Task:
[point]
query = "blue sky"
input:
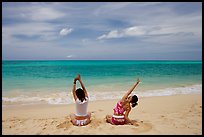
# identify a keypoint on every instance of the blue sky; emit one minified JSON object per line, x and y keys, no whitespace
{"x":102,"y":30}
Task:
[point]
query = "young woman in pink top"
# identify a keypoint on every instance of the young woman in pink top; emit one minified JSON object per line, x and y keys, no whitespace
{"x":122,"y":109}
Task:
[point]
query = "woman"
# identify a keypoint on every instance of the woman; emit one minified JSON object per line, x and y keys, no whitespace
{"x":81,"y":116}
{"x":122,"y":109}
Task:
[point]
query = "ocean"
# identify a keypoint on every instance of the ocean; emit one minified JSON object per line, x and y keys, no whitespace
{"x":50,"y":81}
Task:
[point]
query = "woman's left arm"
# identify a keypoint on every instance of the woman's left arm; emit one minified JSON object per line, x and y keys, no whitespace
{"x":131,"y":89}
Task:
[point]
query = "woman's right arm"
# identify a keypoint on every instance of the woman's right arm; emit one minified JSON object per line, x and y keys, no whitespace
{"x":74,"y":89}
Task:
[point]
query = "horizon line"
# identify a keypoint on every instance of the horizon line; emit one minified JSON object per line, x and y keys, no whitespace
{"x":100,"y":59}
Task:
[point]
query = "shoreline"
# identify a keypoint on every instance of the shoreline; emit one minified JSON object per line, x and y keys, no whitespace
{"x":175,"y":114}
{"x":94,"y":95}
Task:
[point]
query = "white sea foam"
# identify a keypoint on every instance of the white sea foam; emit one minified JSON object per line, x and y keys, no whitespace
{"x":64,"y":98}
{"x":172,"y":91}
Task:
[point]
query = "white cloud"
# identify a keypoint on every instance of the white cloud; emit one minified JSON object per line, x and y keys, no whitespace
{"x":66,"y":31}
{"x":107,"y":7}
{"x":131,"y":31}
{"x":111,"y":34}
{"x":45,"y":13}
{"x":114,"y":7}
{"x":44,"y":31}
{"x":33,"y":12}
{"x":135,"y":31}
{"x":69,"y":56}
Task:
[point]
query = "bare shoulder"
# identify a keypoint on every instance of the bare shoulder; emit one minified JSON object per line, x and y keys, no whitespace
{"x":127,"y":106}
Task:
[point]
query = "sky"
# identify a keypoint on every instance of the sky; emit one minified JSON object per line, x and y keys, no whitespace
{"x":102,"y":31}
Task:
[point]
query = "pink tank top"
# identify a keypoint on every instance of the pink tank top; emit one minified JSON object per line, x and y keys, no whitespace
{"x":119,"y":109}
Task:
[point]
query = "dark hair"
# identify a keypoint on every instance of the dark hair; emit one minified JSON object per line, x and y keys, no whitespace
{"x":134,"y":100}
{"x":80,"y":94}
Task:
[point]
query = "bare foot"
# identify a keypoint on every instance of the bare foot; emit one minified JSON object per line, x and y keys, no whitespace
{"x":134,"y":123}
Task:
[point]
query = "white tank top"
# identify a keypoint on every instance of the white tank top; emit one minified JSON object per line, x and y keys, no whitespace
{"x":81,"y":107}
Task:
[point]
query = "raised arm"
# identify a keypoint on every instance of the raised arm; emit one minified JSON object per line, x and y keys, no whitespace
{"x":82,"y":85}
{"x":130,"y":91}
{"x":74,"y":89}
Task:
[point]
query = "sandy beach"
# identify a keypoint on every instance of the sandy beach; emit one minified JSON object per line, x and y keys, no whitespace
{"x":174,"y":115}
{"x":108,"y":50}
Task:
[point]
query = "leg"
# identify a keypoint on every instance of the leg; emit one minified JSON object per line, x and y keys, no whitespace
{"x":73,"y":120}
{"x":88,"y":118}
{"x":109,"y":119}
{"x":89,"y":115}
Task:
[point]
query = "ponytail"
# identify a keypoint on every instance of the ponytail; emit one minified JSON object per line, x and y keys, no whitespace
{"x":134,"y":104}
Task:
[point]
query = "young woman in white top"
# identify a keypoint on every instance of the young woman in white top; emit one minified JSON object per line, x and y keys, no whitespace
{"x":81,"y":116}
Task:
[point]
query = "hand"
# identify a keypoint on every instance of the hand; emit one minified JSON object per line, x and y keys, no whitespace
{"x":138,"y":80}
{"x":78,"y":77}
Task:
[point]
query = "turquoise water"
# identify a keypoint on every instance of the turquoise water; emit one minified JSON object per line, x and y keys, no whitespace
{"x":49,"y":77}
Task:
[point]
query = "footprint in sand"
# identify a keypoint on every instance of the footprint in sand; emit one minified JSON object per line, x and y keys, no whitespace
{"x":52,"y":122}
{"x":100,"y":110}
{"x":95,"y":123}
{"x":65,"y":124}
{"x":67,"y":117}
{"x":141,"y":126}
{"x":162,"y":116}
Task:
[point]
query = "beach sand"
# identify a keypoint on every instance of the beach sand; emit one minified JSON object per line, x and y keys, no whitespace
{"x":177,"y":114}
